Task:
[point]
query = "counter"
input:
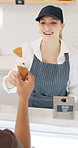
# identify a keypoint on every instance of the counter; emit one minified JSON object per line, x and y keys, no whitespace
{"x":41,"y":120}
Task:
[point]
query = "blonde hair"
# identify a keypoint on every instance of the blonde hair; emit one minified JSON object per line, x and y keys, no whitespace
{"x":60,"y":35}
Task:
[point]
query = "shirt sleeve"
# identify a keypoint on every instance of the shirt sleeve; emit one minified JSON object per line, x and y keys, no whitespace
{"x":73,"y":78}
{"x":5,"y":85}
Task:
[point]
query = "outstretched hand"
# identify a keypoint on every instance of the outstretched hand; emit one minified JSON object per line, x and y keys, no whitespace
{"x":25,"y":88}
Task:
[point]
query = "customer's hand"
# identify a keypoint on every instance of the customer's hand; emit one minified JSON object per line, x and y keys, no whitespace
{"x":25,"y":88}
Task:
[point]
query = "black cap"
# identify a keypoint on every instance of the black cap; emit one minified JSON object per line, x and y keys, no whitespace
{"x":52,"y":11}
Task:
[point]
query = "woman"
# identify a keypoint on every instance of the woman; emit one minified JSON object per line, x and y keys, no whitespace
{"x":52,"y":62}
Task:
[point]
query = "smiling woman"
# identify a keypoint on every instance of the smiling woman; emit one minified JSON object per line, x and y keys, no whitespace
{"x":51,"y":61}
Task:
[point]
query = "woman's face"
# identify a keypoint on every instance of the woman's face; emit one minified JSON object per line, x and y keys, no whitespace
{"x":50,"y":27}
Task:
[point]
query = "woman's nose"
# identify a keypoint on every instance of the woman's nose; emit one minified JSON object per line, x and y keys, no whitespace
{"x":48,"y":26}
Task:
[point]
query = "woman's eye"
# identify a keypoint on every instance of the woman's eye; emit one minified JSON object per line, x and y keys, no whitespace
{"x":53,"y":22}
{"x":42,"y":23}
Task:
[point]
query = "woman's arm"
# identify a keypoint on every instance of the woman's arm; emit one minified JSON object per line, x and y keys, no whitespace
{"x":8,"y":87}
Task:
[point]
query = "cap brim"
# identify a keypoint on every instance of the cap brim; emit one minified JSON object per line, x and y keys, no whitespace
{"x":38,"y":18}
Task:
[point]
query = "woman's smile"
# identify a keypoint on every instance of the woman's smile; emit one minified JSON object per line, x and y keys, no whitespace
{"x":47,"y":33}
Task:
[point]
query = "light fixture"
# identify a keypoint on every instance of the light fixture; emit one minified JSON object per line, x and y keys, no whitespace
{"x":19,"y":2}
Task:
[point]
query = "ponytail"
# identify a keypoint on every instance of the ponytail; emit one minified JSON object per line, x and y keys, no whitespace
{"x":60,"y":35}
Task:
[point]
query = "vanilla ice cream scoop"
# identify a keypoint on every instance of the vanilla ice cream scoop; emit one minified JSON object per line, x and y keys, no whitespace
{"x":23,"y":62}
{"x":23,"y":65}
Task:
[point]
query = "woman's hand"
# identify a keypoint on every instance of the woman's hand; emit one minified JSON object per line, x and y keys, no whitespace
{"x":25,"y":88}
{"x":13,"y":78}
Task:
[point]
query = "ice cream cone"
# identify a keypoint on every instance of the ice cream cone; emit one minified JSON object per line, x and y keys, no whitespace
{"x":18,"y":51}
{"x":23,"y":71}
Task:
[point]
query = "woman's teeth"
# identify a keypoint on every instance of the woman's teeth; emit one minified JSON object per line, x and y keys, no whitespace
{"x":48,"y":33}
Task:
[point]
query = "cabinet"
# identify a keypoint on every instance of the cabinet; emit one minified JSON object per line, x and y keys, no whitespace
{"x":51,"y":1}
{"x":7,"y":1}
{"x":44,"y":1}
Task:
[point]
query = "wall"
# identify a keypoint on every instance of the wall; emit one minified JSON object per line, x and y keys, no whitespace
{"x":5,"y":98}
{"x":19,"y":25}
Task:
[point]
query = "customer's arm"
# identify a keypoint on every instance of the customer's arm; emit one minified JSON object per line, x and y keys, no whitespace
{"x":24,"y":89}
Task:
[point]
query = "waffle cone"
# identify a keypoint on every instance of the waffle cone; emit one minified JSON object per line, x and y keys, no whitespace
{"x":18,"y":51}
{"x":23,"y":71}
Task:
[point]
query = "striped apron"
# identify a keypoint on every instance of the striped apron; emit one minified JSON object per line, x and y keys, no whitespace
{"x":50,"y":80}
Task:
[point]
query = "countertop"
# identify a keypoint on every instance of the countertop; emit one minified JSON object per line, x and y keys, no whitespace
{"x":41,"y":120}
